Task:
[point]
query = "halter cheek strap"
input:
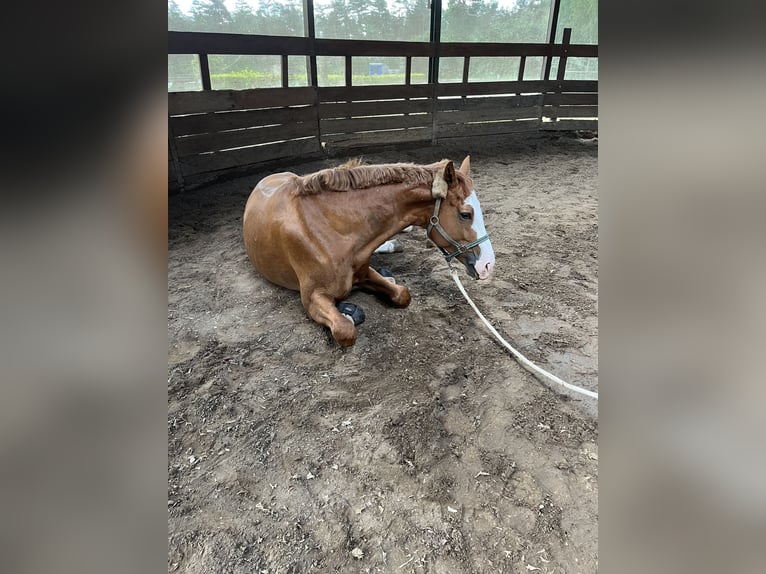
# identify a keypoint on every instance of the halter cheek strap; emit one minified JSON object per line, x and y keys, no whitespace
{"x":460,"y":248}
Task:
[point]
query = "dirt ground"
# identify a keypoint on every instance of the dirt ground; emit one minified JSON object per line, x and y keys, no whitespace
{"x":423,"y":448}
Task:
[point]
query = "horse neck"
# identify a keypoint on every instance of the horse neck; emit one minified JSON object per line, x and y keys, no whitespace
{"x":408,"y":206}
{"x":378,"y":213}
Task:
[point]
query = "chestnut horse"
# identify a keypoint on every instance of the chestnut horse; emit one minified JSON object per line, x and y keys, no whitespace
{"x":316,"y":233}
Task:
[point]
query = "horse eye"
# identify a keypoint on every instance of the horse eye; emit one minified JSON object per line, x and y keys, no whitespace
{"x":465,"y":215}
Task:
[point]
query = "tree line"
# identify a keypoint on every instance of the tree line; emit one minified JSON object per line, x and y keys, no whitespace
{"x":408,"y":20}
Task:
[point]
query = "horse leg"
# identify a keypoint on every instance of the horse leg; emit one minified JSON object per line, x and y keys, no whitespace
{"x":390,"y":246}
{"x":321,"y":308}
{"x":379,"y":285}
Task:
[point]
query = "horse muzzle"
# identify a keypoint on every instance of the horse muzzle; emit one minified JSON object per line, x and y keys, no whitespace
{"x":469,"y":260}
{"x":478,"y":268}
{"x":486,"y":262}
{"x":483,"y":269}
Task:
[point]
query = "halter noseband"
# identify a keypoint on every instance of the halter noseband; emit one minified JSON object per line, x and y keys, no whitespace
{"x":433,"y":223}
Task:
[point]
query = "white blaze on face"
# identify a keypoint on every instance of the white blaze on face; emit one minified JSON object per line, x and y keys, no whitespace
{"x":486,"y":261}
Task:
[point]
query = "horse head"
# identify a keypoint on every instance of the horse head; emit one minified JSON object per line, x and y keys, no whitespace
{"x":457,"y":224}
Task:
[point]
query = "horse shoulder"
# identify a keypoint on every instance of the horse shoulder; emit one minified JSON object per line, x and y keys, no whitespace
{"x":275,"y":184}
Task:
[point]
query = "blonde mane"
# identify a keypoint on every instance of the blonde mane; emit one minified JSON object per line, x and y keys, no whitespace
{"x":352,"y":175}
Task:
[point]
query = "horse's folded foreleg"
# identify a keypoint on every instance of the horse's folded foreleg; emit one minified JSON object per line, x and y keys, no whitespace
{"x":390,"y":246}
{"x":379,"y":285}
{"x":321,"y":308}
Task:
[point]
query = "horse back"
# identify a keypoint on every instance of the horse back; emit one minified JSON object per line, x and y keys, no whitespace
{"x":269,"y":210}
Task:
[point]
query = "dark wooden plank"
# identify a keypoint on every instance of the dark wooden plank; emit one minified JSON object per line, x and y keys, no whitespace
{"x":522,"y":63}
{"x":529,"y":86}
{"x":487,"y":88}
{"x":203,"y":143}
{"x":354,"y":109}
{"x":582,"y":50}
{"x":224,"y":160}
{"x":561,"y":70}
{"x":466,"y":68}
{"x":553,"y":20}
{"x":457,"y":49}
{"x":285,"y":71}
{"x":570,"y":99}
{"x":309,"y":29}
{"x":348,"y":71}
{"x":562,"y":60}
{"x":408,"y":70}
{"x":491,"y":128}
{"x":435,"y":38}
{"x":222,"y":121}
{"x":309,"y":22}
{"x":175,"y":181}
{"x":221,"y":43}
{"x":453,"y":117}
{"x":173,"y":158}
{"x":204,"y":71}
{"x":181,"y":103}
{"x":489,"y":103}
{"x":574,"y":86}
{"x":377,"y":138}
{"x":356,"y":93}
{"x":570,"y":125}
{"x":473,"y":49}
{"x":353,"y":125}
{"x":571,"y":111}
{"x":240,"y":44}
{"x":332,"y":47}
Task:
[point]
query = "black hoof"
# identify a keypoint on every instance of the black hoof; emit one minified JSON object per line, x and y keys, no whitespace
{"x":354,"y":311}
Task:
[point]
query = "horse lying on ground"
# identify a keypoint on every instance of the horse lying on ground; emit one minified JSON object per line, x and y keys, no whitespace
{"x":316,"y":233}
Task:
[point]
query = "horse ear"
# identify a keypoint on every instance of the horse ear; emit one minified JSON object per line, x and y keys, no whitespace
{"x":441,"y":182}
{"x":465,"y":167}
{"x":439,"y":187}
{"x":444,"y":181}
{"x":449,"y":174}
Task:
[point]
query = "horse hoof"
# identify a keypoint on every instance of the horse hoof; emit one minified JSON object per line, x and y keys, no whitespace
{"x":387,"y":275}
{"x":353,"y":312}
{"x":391,"y":246}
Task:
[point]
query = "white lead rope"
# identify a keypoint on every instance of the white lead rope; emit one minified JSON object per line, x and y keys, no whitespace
{"x":519,"y":357}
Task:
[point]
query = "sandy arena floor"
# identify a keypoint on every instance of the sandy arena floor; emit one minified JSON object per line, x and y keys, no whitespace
{"x":423,"y":448}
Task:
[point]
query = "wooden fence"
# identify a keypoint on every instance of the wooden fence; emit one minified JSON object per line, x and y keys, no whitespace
{"x":213,"y":133}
